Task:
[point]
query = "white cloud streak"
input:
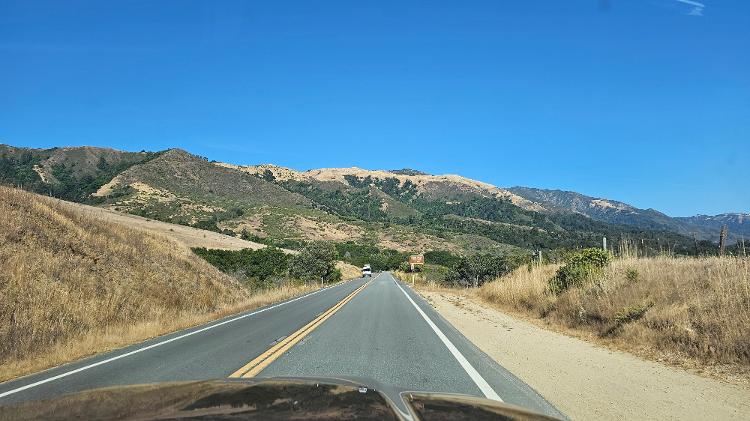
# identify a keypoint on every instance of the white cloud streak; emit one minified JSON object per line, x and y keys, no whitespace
{"x":696,"y":8}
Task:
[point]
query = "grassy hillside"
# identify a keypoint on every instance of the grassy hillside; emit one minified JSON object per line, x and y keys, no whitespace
{"x":183,"y":188}
{"x":68,"y":173}
{"x":72,"y":284}
{"x":679,"y":309}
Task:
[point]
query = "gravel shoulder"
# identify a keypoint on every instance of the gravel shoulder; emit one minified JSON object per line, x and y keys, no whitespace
{"x":586,"y":381}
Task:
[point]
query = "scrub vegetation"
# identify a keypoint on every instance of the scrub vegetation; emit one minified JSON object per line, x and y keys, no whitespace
{"x":681,"y":308}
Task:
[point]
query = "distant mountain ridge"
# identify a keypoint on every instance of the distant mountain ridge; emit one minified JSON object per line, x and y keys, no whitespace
{"x":702,"y":226}
{"x":442,"y":186}
{"x":406,"y":210}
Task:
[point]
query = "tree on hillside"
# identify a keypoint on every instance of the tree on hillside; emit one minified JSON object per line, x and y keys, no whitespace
{"x":315,"y":262}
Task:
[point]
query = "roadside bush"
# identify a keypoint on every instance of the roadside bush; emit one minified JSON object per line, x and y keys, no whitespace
{"x":477,"y":269}
{"x":259,"y":264}
{"x":315,"y":262}
{"x":582,"y":266}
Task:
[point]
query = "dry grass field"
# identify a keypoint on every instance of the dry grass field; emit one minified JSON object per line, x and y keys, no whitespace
{"x":189,"y":236}
{"x":676,"y":309}
{"x":73,"y":284}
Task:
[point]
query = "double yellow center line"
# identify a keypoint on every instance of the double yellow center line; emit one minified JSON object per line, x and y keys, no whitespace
{"x":257,"y":365}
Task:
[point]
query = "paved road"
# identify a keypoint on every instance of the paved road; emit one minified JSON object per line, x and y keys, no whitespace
{"x":384,"y":332}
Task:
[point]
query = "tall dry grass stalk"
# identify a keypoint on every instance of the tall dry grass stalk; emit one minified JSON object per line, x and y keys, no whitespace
{"x":72,"y":285}
{"x":522,"y":289}
{"x":696,"y":308}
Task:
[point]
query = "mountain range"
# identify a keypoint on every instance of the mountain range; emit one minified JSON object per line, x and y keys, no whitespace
{"x":405,"y":209}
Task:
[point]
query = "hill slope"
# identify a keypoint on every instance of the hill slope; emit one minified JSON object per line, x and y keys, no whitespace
{"x":68,"y":173}
{"x":183,"y":188}
{"x":65,"y":275}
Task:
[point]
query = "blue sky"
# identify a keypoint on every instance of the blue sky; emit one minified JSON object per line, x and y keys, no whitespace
{"x":643,"y":101}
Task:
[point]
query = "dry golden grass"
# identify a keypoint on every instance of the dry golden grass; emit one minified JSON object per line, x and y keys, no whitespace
{"x":188,"y":236}
{"x":424,"y":283}
{"x":73,"y":285}
{"x":348,"y":271}
{"x":691,"y":309}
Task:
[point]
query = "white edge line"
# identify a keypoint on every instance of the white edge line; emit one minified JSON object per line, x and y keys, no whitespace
{"x":127,"y":354}
{"x":481,"y":383}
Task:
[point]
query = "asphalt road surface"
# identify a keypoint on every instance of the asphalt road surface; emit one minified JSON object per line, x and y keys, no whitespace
{"x":374,"y":328}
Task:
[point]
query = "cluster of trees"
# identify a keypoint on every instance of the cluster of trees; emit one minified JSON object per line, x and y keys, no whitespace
{"x":315,"y":262}
{"x":362,"y":254}
{"x":285,"y":243}
{"x":354,"y":203}
{"x":477,"y":269}
{"x":442,"y":258}
{"x":392,"y":186}
{"x":79,"y":189}
{"x":472,"y":270}
{"x":269,"y":266}
{"x":19,"y":171}
{"x":212,"y":222}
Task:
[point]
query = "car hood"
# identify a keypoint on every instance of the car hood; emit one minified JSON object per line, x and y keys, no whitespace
{"x":266,"y":399}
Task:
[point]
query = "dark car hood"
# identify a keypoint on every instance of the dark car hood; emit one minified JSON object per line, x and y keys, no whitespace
{"x":266,"y":399}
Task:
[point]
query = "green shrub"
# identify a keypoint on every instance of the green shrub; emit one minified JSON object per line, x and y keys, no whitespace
{"x":631,"y":274}
{"x":631,"y":314}
{"x":582,"y":266}
{"x":207,"y":224}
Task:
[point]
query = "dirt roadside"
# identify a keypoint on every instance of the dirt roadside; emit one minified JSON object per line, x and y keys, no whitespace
{"x":585,"y":381}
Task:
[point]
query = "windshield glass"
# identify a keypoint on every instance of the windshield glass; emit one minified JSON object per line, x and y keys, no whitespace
{"x":461,"y":207}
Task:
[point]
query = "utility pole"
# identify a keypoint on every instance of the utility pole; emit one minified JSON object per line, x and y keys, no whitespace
{"x":722,"y":239}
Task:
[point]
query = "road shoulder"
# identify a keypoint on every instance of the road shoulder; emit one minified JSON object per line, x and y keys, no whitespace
{"x":586,"y":381}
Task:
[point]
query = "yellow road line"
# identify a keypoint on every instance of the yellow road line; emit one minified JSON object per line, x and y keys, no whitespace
{"x":257,"y":365}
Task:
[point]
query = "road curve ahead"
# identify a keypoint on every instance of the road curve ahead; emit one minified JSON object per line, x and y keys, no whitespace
{"x":375,"y":328}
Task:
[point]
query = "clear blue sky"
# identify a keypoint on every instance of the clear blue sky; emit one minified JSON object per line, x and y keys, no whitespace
{"x":644,"y":101}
